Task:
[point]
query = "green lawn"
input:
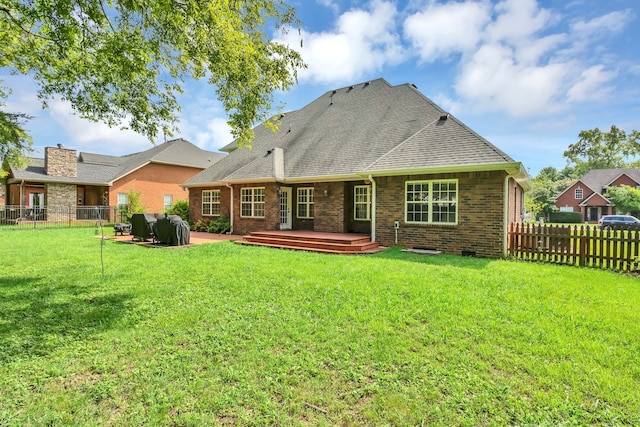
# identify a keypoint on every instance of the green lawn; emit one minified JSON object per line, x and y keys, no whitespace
{"x":222,"y":334}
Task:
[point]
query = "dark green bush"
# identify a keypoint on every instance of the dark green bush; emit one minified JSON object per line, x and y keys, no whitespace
{"x":565,"y":217}
{"x":220,"y":225}
{"x":181,"y":208}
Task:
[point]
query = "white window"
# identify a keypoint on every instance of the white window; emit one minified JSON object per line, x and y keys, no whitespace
{"x":168,"y":201}
{"x":566,"y":208}
{"x":123,"y":201}
{"x":362,"y":202}
{"x":211,"y":202}
{"x":305,"y":202}
{"x":431,"y":202}
{"x":579,"y":194}
{"x":252,"y":202}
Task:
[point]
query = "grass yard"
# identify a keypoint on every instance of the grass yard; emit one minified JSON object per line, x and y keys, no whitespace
{"x":222,"y":334}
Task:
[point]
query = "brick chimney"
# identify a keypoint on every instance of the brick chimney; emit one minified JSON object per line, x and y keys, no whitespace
{"x":59,"y":161}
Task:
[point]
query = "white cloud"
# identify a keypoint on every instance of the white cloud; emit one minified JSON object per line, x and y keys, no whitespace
{"x":613,"y":22}
{"x":591,"y":85}
{"x":85,"y":135}
{"x":511,"y":59}
{"x":330,"y":4}
{"x":363,"y":41}
{"x":215,"y":135}
{"x":517,"y":21}
{"x":441,"y":30}
{"x":492,"y":80}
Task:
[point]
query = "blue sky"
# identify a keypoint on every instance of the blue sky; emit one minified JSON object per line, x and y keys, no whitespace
{"x":528,"y":75}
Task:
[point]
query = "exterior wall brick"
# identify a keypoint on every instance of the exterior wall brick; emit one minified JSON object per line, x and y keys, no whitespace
{"x":568,"y":198}
{"x":481,"y":212}
{"x":329,"y":209}
{"x":195,"y":204}
{"x":241,"y":225}
{"x":480,"y":228}
{"x":60,"y":162}
{"x":516,"y":207}
{"x":153,"y":181}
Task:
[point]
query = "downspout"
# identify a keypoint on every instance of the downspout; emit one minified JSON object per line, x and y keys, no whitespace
{"x":22,"y":204}
{"x":231,"y":209}
{"x":505,"y":228}
{"x":373,"y":208}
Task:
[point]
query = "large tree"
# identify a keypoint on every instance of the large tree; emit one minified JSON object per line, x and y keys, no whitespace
{"x":604,"y":150}
{"x":626,"y":199}
{"x":123,"y":62}
{"x":14,"y":140}
{"x":546,"y":186}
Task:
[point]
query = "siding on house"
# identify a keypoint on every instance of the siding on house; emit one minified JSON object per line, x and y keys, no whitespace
{"x":153,"y":181}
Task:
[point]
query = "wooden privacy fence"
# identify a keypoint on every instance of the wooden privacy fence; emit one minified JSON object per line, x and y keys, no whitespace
{"x":581,"y":245}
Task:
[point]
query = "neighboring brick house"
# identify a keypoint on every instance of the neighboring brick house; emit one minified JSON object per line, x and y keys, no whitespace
{"x":64,"y":178}
{"x":588,"y":194}
{"x":363,"y":159}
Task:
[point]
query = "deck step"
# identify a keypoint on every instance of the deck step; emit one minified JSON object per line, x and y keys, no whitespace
{"x":336,"y":243}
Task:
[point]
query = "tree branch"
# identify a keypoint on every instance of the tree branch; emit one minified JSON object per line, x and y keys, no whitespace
{"x":26,"y":31}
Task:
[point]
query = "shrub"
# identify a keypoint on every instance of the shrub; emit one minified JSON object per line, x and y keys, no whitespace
{"x":220,"y":225}
{"x":181,"y":208}
{"x":133,"y":206}
{"x":200,"y":225}
{"x":565,"y":217}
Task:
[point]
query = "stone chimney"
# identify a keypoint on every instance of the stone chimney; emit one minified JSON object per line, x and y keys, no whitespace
{"x":59,"y":161}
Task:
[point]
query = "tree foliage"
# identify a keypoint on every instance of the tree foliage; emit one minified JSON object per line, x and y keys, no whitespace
{"x":604,"y":150}
{"x":124,"y":62}
{"x":626,"y":199}
{"x":133,"y":206}
{"x":14,"y":140}
{"x":546,"y":186}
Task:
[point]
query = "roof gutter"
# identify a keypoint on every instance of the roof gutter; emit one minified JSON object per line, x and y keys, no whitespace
{"x":22,"y":198}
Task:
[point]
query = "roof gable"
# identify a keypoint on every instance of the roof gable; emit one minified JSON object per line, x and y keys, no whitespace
{"x":597,"y":179}
{"x":595,"y":199}
{"x":101,"y":169}
{"x":365,"y":128}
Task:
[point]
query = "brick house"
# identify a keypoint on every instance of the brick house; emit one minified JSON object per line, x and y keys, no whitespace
{"x":65,"y":178}
{"x":369,"y":158}
{"x":588,"y":194}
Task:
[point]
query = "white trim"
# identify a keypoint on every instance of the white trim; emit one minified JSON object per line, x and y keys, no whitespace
{"x":374,"y":189}
{"x":367,"y":203}
{"x":309,"y":203}
{"x":253,"y":202}
{"x":430,"y":203}
{"x":211,"y":203}
{"x":231,"y":208}
{"x":515,"y":169}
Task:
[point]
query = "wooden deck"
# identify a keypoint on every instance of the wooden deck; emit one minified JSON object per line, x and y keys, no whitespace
{"x":335,"y":243}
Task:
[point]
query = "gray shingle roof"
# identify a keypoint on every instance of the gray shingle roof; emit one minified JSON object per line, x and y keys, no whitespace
{"x":101,"y":169}
{"x":371,"y":127}
{"x":597,"y":179}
